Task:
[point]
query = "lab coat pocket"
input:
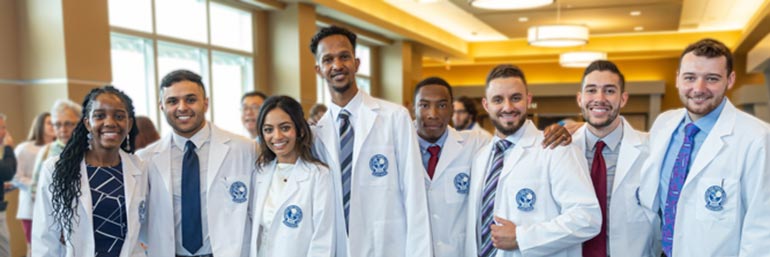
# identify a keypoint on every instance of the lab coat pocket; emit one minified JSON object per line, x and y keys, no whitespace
{"x":389,"y":238}
{"x":457,"y":184}
{"x":634,"y":210}
{"x":716,"y":199}
{"x":376,"y":166}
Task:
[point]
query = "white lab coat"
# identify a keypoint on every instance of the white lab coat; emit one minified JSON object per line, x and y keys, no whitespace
{"x":477,"y":128}
{"x":26,"y":154}
{"x":566,"y":212}
{"x":734,"y":156}
{"x":232,"y":159}
{"x":46,"y":231}
{"x":388,"y":214}
{"x":630,"y":233}
{"x":448,"y":191}
{"x":310,"y":188}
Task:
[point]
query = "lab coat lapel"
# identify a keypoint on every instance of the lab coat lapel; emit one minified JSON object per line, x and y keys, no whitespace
{"x":520,"y":148}
{"x":217,"y":152}
{"x":449,"y":152}
{"x":714,"y":142}
{"x":367,"y":114}
{"x":629,"y":151}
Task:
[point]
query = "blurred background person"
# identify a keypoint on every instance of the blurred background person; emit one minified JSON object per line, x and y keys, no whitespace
{"x":147,"y":132}
{"x":65,"y":114}
{"x":250,"y":104}
{"x":40,"y":134}
{"x":465,"y":116}
{"x":316,"y":112}
{"x":7,"y":169}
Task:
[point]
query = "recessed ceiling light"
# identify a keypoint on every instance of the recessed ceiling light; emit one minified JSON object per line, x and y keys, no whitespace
{"x":523,"y":19}
{"x":638,"y":28}
{"x":636,"y":13}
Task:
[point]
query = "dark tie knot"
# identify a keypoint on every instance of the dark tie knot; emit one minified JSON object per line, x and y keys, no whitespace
{"x":190,"y":146}
{"x":433,"y":150}
{"x":503,"y":145}
{"x":690,"y":130}
{"x":599,"y":146}
{"x":344,"y":114}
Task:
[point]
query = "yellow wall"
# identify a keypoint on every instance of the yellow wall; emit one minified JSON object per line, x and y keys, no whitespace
{"x":634,"y":70}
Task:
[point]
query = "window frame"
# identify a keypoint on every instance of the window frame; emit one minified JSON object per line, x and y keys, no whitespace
{"x":209,"y":48}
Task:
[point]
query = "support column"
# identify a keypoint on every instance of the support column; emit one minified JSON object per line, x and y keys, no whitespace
{"x":401,"y":69}
{"x":292,"y":64}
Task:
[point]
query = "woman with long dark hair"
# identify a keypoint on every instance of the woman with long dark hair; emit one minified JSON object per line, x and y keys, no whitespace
{"x":294,"y":210}
{"x":40,"y":134}
{"x":91,"y":199}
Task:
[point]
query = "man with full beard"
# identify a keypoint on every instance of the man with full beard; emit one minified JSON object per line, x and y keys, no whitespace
{"x":709,"y":165}
{"x":525,"y":200}
{"x":615,"y":152}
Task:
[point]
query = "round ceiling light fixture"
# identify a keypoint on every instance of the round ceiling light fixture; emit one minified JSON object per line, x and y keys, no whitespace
{"x":580,"y":59}
{"x":509,"y":4}
{"x":560,"y":35}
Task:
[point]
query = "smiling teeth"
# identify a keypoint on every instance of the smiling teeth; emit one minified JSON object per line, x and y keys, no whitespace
{"x":183,"y":117}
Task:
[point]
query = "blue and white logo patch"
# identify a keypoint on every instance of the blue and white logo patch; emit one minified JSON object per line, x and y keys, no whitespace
{"x":715,"y":197}
{"x":238,"y":192}
{"x":292,"y":216}
{"x":462,"y":182}
{"x":142,"y":212}
{"x":526,"y":198}
{"x":379,"y":165}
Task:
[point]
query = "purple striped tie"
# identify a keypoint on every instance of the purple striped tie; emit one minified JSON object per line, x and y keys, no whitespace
{"x":488,"y":200}
{"x":678,"y":176}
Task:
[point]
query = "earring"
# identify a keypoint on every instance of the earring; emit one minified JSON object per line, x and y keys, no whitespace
{"x":89,"y":136}
{"x":128,"y":142}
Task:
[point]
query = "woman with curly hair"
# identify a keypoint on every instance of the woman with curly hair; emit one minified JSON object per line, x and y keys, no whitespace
{"x":91,"y":199}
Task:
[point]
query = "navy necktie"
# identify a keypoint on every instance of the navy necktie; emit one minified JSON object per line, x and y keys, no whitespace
{"x":192,"y":234}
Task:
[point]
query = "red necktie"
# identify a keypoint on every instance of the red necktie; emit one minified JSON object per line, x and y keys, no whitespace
{"x":433,"y":160}
{"x":597,"y":246}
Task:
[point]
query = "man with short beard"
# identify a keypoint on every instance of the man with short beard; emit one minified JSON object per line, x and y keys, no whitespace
{"x":525,"y":200}
{"x":709,"y":167}
{"x":615,"y":152}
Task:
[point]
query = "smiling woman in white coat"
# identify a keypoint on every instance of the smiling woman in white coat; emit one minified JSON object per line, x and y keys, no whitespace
{"x":294,"y":208}
{"x":91,"y":199}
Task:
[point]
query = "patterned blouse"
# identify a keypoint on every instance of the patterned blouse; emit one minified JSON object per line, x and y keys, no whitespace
{"x":109,"y":209}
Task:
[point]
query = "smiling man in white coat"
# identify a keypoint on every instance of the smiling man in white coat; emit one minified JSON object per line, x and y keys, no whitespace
{"x":371,"y":148}
{"x":200,"y":178}
{"x":614,"y":152}
{"x":526,"y":200}
{"x":708,"y":170}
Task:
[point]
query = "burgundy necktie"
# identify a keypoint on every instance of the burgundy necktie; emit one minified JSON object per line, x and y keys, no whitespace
{"x":433,"y":160}
{"x":597,"y":246}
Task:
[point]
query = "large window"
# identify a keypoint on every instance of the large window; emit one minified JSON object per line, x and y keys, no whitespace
{"x":212,"y":39}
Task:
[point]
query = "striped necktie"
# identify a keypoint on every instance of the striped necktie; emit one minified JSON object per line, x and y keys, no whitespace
{"x":678,"y":176}
{"x":488,"y":200}
{"x":346,"y":158}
